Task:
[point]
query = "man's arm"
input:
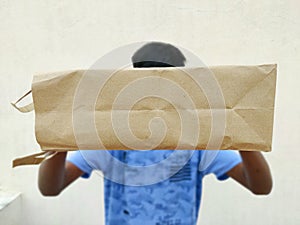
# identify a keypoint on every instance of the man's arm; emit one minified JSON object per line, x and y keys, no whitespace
{"x":55,"y":174}
{"x":253,"y":173}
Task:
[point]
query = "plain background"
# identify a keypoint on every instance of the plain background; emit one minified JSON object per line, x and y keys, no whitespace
{"x":43,"y":36}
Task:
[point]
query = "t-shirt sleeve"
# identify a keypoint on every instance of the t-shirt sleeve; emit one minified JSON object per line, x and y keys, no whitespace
{"x":77,"y":159}
{"x":219,"y":162}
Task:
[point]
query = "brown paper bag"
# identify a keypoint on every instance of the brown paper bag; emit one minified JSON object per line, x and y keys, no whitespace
{"x":221,"y":107}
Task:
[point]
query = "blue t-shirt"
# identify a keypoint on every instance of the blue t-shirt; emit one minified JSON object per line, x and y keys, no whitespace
{"x":156,"y":187}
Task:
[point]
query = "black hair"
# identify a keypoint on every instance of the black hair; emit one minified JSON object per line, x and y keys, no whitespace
{"x":158,"y":54}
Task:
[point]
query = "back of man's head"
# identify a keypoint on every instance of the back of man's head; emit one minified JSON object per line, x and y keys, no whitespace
{"x":158,"y":54}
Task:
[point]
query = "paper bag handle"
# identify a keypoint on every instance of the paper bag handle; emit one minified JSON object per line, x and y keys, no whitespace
{"x":33,"y":159}
{"x":23,"y":109}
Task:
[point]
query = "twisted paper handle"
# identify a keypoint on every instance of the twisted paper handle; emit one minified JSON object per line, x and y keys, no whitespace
{"x":26,"y":108}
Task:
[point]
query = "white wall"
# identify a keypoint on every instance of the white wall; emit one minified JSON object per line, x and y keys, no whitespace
{"x":37,"y":36}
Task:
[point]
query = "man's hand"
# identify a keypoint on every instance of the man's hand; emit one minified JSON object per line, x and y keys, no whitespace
{"x":55,"y":174}
{"x":253,"y":173}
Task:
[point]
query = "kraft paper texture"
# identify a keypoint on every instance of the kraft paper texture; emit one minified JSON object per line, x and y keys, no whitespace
{"x":220,"y":107}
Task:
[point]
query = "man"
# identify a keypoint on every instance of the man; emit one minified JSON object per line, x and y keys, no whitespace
{"x":174,"y":200}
